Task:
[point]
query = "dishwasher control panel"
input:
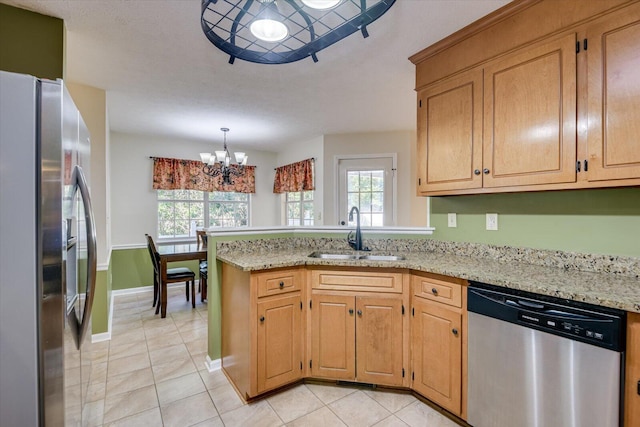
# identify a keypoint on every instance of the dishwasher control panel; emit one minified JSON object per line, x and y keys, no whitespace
{"x":587,"y":323}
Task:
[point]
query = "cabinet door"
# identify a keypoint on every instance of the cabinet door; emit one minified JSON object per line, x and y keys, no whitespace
{"x":279,"y":342}
{"x":450,"y":134}
{"x":333,"y":337}
{"x":632,"y":372}
{"x":437,"y":353}
{"x":379,"y":340}
{"x":613,"y":68}
{"x":530,"y":116}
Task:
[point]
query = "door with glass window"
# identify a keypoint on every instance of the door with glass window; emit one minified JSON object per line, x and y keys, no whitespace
{"x":368,"y":184}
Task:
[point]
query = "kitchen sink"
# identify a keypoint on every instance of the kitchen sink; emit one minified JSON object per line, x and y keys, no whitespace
{"x":327,"y":255}
{"x":324,"y":255}
{"x":383,"y":257}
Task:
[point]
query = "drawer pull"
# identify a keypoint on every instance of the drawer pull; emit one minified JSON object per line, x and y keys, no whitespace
{"x":261,"y":319}
{"x":434,"y":291}
{"x":351,"y":311}
{"x":281,"y":285}
{"x":455,"y":332}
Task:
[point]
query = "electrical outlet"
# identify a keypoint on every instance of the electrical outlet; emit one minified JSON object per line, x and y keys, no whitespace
{"x":452,"y":220}
{"x":492,"y":221}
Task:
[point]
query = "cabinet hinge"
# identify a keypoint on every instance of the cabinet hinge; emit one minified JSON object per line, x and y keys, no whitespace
{"x":301,"y":365}
{"x":586,"y":166}
{"x":413,"y":312}
{"x":419,"y":181}
{"x":578,"y":166}
{"x":420,"y":103}
{"x":413,"y":376}
{"x":577,"y":47}
{"x":310,"y":305}
{"x":402,"y":372}
{"x":300,"y":305}
{"x":403,"y":309}
{"x":310,"y":364}
{"x":584,"y":44}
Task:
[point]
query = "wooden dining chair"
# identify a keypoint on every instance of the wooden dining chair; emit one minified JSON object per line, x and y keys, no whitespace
{"x":203,"y":280}
{"x":174,"y":275}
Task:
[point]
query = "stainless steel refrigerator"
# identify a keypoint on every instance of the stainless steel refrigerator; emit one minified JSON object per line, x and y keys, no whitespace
{"x":47,"y":255}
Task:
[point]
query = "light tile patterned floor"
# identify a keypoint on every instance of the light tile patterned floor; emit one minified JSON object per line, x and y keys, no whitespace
{"x":152,"y":373}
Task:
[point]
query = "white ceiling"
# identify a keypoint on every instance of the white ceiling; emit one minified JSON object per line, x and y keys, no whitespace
{"x":163,"y":77}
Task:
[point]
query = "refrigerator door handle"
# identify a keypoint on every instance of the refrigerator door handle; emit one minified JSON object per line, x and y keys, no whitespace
{"x":81,"y":182}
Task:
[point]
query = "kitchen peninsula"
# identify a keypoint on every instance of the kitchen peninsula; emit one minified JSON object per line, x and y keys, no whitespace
{"x":288,"y":316}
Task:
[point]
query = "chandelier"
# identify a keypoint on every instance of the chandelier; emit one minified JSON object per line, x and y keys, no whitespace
{"x":283,"y":31}
{"x":219,"y":163}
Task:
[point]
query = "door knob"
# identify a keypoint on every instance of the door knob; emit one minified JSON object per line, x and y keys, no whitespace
{"x":477,"y":171}
{"x":486,"y":171}
{"x":351,"y":311}
{"x":359,"y":312}
{"x":261,"y":319}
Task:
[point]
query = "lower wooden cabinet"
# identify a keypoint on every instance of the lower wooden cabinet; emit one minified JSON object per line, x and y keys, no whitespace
{"x":279,"y":341}
{"x":357,"y":338}
{"x":437,"y":353}
{"x":632,"y":372}
{"x":262,"y":328}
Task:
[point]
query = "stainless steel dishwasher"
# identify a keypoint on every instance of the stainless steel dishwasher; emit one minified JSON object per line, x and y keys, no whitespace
{"x":537,"y":361}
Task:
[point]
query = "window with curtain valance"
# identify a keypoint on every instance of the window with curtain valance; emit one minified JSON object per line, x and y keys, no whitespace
{"x":294,"y":177}
{"x":178,"y":174}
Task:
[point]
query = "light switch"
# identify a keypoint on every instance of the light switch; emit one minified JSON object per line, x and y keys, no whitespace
{"x":452,"y":220}
{"x":492,"y":221}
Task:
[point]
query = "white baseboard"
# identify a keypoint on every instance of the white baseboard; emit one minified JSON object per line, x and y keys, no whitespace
{"x":105,"y":336}
{"x":213,"y":365}
{"x":130,"y":291}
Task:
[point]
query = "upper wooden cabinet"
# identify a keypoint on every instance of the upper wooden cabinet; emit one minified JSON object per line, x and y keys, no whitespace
{"x":530,"y":116}
{"x":450,"y":134}
{"x":547,"y":115}
{"x":613,"y":69}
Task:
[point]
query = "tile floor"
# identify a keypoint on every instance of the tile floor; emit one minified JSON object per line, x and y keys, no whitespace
{"x":152,"y":373}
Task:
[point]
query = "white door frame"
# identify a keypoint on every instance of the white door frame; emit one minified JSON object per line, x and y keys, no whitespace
{"x":336,"y":177}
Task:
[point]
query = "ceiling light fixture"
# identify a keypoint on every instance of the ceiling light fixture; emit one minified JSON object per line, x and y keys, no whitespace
{"x":223,"y":158}
{"x":321,"y":4}
{"x":268,"y":26}
{"x":264,"y":32}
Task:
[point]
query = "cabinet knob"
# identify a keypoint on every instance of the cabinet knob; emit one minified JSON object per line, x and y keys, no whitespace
{"x":455,"y":331}
{"x":359,"y":312}
{"x":351,"y":311}
{"x":281,"y":285}
{"x":486,"y":171}
{"x":434,"y":291}
{"x":261,"y":319}
{"x":477,"y":171}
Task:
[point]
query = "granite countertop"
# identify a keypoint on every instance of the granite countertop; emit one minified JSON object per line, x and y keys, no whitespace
{"x":616,"y":289}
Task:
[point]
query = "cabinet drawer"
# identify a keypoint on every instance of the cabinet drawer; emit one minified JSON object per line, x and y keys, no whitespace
{"x":278,"y":282}
{"x":357,"y":280}
{"x":446,"y":290}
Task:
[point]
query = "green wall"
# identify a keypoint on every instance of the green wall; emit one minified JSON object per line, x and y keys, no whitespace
{"x":31,"y":43}
{"x":100,"y":313}
{"x":603,"y":221}
{"x":132,"y":268}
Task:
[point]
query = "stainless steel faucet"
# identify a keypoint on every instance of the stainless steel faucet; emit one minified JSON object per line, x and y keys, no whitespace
{"x":356,"y":243}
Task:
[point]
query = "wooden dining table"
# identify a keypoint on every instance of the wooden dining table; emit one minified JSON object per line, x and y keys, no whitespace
{"x":172,"y":252}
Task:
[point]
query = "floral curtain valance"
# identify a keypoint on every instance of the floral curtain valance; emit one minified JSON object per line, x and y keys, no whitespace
{"x":294,"y":177}
{"x":178,"y":174}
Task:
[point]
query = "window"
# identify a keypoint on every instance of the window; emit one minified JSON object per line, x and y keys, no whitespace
{"x":228,"y":209}
{"x":299,"y":208}
{"x":181,"y":212}
{"x":365,"y":189}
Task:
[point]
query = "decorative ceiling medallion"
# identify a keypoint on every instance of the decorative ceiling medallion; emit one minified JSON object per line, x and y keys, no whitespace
{"x":309,"y":26}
